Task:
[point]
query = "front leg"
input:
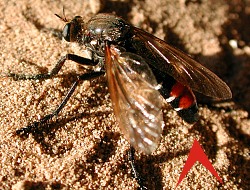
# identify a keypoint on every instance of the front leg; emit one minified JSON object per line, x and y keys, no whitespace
{"x":56,"y":69}
{"x":35,"y":125}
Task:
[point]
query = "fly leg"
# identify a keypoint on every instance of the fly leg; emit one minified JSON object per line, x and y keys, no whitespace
{"x":34,"y":126}
{"x":80,"y":60}
{"x":56,"y":69}
{"x":131,"y":157}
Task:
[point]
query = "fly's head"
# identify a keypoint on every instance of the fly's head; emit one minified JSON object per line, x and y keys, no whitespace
{"x":73,"y":30}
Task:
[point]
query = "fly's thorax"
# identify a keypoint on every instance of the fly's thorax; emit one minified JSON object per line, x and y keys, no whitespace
{"x":102,"y":28}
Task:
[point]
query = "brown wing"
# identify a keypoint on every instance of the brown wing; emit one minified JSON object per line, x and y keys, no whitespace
{"x":183,"y":68}
{"x":136,"y":100}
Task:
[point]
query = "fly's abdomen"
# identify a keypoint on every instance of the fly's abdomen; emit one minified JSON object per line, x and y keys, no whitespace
{"x":180,"y":97}
{"x":183,"y":101}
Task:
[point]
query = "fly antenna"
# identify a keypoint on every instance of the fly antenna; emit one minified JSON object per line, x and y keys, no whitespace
{"x":64,"y":19}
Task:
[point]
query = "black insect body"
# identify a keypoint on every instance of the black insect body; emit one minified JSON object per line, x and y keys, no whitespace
{"x":140,"y":68}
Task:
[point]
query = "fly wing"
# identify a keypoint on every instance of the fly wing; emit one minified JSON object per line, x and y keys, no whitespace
{"x":136,"y":100}
{"x":180,"y":66}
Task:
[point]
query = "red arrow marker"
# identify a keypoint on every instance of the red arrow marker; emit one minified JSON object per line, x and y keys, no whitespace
{"x":197,"y":154}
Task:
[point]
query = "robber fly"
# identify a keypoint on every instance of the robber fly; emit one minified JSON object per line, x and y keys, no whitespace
{"x":140,"y":68}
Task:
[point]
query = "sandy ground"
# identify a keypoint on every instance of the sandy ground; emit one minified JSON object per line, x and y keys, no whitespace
{"x":83,"y":148}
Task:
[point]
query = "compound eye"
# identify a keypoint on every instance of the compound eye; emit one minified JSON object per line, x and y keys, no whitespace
{"x":66,"y":32}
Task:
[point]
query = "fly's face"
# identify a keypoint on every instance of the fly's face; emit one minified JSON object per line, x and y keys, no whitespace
{"x":73,"y":30}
